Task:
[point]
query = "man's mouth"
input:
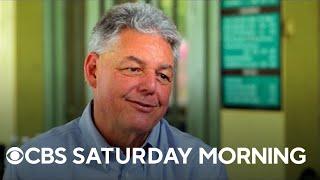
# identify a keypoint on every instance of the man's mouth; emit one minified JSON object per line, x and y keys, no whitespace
{"x":142,"y":106}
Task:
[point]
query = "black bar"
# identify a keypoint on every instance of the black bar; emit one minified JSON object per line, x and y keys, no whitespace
{"x":258,"y":71}
{"x":237,"y":11}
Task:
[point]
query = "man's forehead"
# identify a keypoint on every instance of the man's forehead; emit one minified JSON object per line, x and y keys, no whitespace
{"x":131,"y":38}
{"x":140,"y":48}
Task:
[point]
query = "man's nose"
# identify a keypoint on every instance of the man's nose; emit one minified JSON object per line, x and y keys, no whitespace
{"x":148,"y":84}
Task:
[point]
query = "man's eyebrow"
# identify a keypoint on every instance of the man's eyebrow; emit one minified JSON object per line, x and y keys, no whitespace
{"x":135,"y":59}
{"x":166,"y":66}
{"x":141,"y":62}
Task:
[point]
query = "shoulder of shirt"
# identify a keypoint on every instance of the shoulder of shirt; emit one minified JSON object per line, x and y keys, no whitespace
{"x":177,"y":138}
{"x":57,"y":137}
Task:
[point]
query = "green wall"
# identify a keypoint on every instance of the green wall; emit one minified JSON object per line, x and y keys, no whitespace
{"x":253,"y":128}
{"x":301,"y":80}
{"x":29,"y":74}
{"x":22,"y":82}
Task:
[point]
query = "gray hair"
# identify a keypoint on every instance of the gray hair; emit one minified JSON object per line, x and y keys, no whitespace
{"x":139,"y":16}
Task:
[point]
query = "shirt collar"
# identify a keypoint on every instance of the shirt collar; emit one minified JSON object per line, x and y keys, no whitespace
{"x":94,"y":139}
{"x":91,"y":134}
{"x":153,"y":137}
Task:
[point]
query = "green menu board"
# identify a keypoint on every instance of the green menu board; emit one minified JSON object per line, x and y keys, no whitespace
{"x":248,"y":3}
{"x":251,"y":41}
{"x":251,"y":91}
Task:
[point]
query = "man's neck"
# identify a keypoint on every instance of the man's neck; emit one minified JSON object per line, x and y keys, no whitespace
{"x":123,"y":138}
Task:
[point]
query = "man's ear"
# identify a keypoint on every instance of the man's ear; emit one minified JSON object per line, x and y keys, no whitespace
{"x":90,"y":69}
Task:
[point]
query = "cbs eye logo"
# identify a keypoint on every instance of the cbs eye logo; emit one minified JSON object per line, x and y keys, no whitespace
{"x":14,"y":155}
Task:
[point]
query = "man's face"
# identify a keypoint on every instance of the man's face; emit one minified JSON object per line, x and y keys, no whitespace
{"x":134,"y":80}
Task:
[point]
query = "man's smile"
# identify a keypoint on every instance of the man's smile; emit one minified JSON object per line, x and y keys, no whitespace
{"x":145,"y":107}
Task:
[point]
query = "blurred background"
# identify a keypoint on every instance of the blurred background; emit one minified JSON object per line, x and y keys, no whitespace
{"x":248,"y":74}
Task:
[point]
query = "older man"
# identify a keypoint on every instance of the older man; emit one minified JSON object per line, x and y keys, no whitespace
{"x":130,"y":69}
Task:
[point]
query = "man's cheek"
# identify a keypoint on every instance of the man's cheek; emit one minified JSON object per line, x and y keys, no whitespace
{"x":125,"y":82}
{"x":165,"y":95}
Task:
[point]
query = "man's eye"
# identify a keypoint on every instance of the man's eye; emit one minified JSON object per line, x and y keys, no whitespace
{"x":164,"y":78}
{"x":131,"y":71}
{"x":134,"y":69}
